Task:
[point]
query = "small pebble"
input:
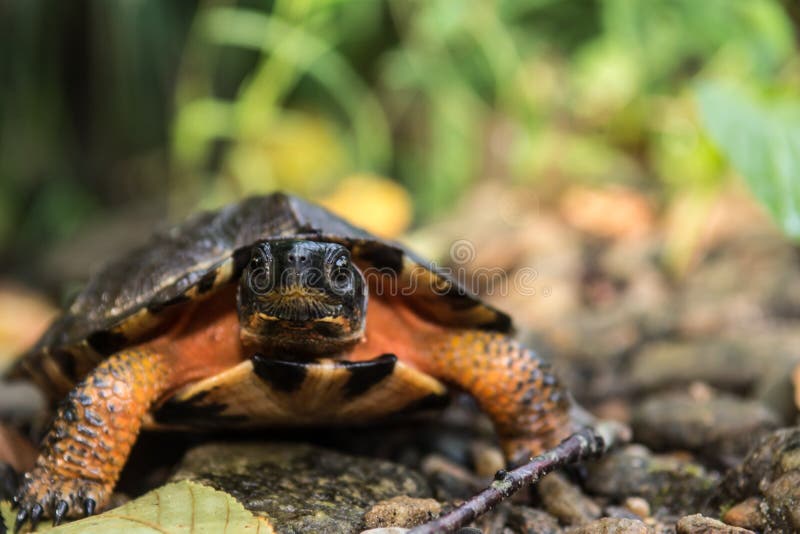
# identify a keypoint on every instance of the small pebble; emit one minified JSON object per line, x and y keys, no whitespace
{"x":487,"y":458}
{"x":663,"y":481}
{"x":390,"y":530}
{"x":615,"y":409}
{"x":531,"y":520}
{"x":566,"y":501}
{"x":700,"y":391}
{"x":723,"y":427}
{"x":638,"y":506}
{"x":402,"y":511}
{"x":746,"y":514}
{"x":618,"y":512}
{"x":609,"y":525}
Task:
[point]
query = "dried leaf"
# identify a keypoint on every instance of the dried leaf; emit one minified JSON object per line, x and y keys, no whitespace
{"x":614,"y":212}
{"x":24,"y":315}
{"x":372,"y":202}
{"x":181,"y":507}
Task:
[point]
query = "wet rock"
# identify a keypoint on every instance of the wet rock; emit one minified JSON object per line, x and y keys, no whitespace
{"x":771,"y":471}
{"x":300,"y":488}
{"x":722,"y":364}
{"x":763,"y":464}
{"x":698,"y":524}
{"x":645,"y":293}
{"x":566,"y":501}
{"x":525,"y":520}
{"x":676,"y":485}
{"x":402,"y":511}
{"x":721,"y":427}
{"x":610,"y":525}
{"x":746,"y":514}
{"x":590,"y":348}
{"x":714,"y":297}
{"x":595,"y":337}
{"x":782,"y":500}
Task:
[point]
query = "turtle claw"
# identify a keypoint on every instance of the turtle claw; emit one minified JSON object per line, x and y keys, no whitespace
{"x":88,"y":506}
{"x":59,"y":498}
{"x":60,"y":511}
{"x":36,"y":515}
{"x":22,"y":516}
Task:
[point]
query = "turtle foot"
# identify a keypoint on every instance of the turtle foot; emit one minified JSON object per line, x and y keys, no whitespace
{"x":47,"y":495}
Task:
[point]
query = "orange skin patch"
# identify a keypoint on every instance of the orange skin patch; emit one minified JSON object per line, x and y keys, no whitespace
{"x":91,"y":436}
{"x":202,"y":344}
{"x":82,"y":455}
{"x":94,"y":430}
{"x":519,"y":392}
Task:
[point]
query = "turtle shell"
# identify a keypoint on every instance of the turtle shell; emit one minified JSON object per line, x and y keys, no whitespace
{"x":131,"y":297}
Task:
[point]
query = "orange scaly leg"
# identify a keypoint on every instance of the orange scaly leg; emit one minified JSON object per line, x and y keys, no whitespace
{"x":519,"y":392}
{"x":91,"y":436}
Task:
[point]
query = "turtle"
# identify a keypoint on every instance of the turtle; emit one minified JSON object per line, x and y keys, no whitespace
{"x":271,"y":311}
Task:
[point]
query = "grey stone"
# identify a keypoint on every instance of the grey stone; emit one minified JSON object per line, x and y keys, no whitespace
{"x":301,"y":488}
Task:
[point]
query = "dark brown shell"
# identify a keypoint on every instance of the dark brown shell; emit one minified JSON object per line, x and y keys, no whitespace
{"x":131,"y":296}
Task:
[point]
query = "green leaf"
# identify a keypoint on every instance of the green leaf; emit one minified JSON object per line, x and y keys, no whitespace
{"x":180,"y":507}
{"x":6,"y":517}
{"x":300,"y":53}
{"x":761,"y":144}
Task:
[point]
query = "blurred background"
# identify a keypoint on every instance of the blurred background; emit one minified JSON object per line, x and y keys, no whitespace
{"x":630,"y":168}
{"x":432,"y":120}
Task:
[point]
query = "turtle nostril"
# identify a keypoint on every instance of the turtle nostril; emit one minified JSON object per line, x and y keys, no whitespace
{"x":298,"y":259}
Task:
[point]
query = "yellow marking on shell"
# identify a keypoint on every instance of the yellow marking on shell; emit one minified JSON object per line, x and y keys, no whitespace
{"x":428,"y":291}
{"x":321,"y":399}
{"x":45,"y":371}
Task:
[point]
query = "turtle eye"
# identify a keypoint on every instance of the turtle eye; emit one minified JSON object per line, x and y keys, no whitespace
{"x":340,"y":274}
{"x":260,"y":255}
{"x":259,"y":279}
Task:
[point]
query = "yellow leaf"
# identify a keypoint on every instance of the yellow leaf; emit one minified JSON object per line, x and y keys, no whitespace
{"x":178,"y":508}
{"x":372,"y":202}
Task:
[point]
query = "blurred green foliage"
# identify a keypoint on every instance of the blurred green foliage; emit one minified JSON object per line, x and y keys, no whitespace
{"x":186,"y":103}
{"x":763,"y":143}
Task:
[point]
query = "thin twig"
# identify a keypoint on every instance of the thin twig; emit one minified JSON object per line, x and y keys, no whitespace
{"x":585,"y":444}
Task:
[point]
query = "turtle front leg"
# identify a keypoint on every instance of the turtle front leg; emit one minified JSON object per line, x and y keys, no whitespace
{"x":518,"y":390}
{"x":90,"y":438}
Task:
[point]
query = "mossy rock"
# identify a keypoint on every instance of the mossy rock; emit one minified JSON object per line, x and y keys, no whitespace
{"x":300,"y":488}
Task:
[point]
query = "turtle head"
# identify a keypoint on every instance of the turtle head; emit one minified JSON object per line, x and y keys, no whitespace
{"x":301,"y":298}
